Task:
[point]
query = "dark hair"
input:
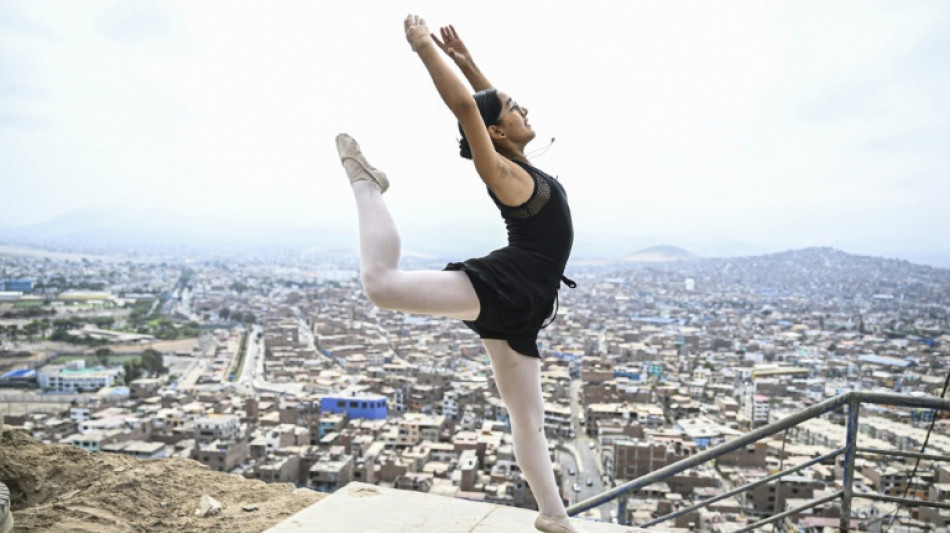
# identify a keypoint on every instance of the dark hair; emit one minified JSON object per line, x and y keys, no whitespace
{"x":489,"y":107}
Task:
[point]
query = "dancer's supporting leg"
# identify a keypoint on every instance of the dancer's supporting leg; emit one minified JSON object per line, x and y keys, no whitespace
{"x":519,"y":381}
{"x":441,"y":293}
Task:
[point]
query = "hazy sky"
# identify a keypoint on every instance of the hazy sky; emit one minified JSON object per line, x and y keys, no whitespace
{"x":721,"y":127}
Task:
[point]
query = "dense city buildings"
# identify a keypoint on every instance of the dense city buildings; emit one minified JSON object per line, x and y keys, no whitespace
{"x":280,"y":370}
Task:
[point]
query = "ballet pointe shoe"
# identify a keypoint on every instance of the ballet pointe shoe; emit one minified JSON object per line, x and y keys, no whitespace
{"x":551,"y":525}
{"x":348,"y":148}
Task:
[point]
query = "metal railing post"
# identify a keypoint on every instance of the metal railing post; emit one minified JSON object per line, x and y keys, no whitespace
{"x":851,"y":449}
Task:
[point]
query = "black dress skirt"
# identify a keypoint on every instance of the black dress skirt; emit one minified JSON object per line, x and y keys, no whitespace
{"x":517,"y":285}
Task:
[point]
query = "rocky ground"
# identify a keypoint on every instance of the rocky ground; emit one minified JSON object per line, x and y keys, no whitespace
{"x":63,"y":489}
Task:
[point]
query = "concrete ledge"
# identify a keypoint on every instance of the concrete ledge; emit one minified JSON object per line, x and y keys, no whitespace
{"x":364,"y":508}
{"x":6,"y":516}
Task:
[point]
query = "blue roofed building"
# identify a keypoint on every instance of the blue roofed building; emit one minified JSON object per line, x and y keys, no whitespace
{"x":365,"y":406}
{"x":881,"y":360}
{"x":21,"y":373}
{"x":633,"y":374}
{"x":24,"y":285}
{"x":24,"y":377}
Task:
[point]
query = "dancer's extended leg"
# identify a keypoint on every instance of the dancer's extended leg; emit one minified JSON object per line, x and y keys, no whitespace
{"x":519,"y":382}
{"x":432,"y":292}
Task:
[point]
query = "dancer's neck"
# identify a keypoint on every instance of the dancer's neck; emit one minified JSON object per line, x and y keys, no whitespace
{"x":518,"y":157}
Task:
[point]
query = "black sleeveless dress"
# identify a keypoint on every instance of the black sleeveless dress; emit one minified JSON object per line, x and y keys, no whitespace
{"x":517,"y":285}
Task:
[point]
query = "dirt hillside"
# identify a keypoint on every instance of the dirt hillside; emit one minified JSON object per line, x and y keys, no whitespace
{"x":63,"y":489}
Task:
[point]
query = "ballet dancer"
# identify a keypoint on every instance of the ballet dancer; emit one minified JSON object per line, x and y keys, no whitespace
{"x":505,"y":297}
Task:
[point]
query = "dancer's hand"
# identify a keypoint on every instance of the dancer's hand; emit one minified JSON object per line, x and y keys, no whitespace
{"x":417,"y":33}
{"x":453,"y":46}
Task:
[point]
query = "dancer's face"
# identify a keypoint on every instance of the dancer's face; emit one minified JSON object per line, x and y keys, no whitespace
{"x":513,"y":121}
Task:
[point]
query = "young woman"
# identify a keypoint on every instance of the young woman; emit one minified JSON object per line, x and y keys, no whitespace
{"x":505,"y":296}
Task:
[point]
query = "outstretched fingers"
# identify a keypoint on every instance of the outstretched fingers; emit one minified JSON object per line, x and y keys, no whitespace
{"x":439,"y":43}
{"x":449,"y":35}
{"x":413,"y":20}
{"x":451,"y":44}
{"x":453,"y":35}
{"x":416,"y":30}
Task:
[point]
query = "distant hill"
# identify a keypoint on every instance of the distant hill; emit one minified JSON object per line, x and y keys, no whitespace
{"x":660,"y":254}
{"x":843,"y":279}
{"x":841,"y":276}
{"x":127,"y":229}
{"x":130,"y":231}
{"x":818,"y":258}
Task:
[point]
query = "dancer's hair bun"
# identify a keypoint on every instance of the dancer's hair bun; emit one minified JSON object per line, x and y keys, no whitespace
{"x":489,"y":107}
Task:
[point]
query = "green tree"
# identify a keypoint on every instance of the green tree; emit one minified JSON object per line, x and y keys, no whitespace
{"x":104,"y":322}
{"x":64,"y":324}
{"x":190,"y":329}
{"x":31,"y":329}
{"x":153,"y":363}
{"x":224,"y":313}
{"x":102,"y":354}
{"x":133,"y":371}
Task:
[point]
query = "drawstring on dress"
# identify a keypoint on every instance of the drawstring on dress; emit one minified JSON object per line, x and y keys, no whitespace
{"x":557,"y":304}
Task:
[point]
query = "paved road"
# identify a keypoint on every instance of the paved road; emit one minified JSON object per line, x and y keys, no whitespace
{"x":190,"y":377}
{"x":252,"y":376}
{"x":589,"y":466}
{"x":254,"y":356}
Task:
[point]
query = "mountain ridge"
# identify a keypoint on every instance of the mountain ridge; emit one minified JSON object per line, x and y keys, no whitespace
{"x":124,"y":230}
{"x":660,"y":254}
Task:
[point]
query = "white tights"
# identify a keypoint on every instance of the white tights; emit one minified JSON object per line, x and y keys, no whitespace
{"x":519,"y":380}
{"x":450,"y":294}
{"x":429,"y":292}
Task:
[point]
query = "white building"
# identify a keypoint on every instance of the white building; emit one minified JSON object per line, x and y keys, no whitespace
{"x":557,"y":420}
{"x":91,"y":442}
{"x":217,"y":427}
{"x":450,"y":405}
{"x":79,"y":414}
{"x":757,"y":409}
{"x":138,"y":449}
{"x":75,"y":377}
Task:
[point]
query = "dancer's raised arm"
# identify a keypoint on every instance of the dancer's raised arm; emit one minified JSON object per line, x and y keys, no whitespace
{"x":492,"y":167}
{"x":453,"y":47}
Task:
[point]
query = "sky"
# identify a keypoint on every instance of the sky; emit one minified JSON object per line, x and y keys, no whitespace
{"x":720,"y":127}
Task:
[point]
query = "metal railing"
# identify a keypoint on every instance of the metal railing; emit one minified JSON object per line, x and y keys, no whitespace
{"x":853,"y":401}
